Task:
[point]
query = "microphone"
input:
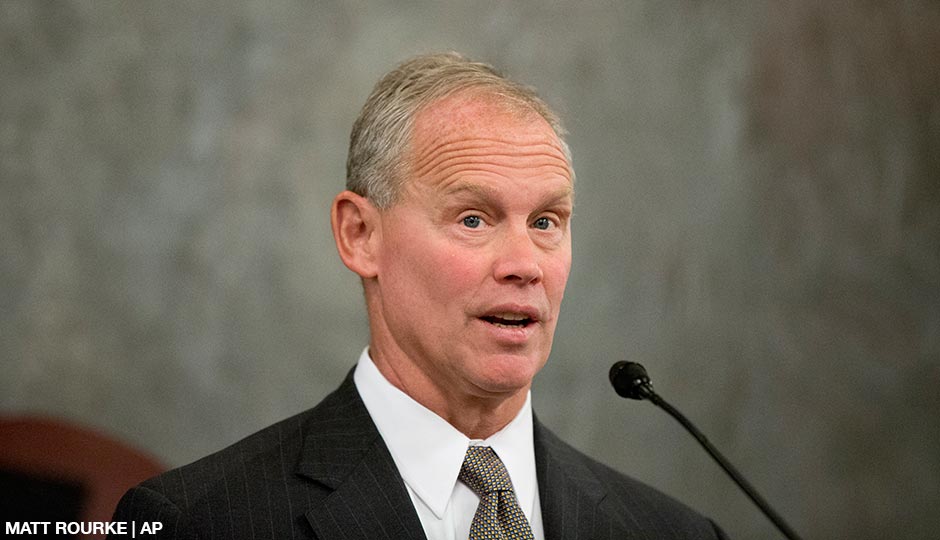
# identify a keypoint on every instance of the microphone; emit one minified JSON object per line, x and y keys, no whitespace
{"x":630,"y":380}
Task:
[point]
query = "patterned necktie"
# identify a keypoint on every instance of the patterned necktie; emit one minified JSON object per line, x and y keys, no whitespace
{"x":498,"y":517}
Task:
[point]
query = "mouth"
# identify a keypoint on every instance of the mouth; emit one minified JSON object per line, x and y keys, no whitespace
{"x":510,"y":319}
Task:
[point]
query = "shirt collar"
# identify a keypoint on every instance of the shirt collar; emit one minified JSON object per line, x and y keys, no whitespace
{"x":428,"y":451}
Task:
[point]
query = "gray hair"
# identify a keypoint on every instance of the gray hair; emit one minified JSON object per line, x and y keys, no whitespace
{"x":377,"y":166}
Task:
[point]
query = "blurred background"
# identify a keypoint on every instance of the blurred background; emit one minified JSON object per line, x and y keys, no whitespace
{"x":757,"y":221}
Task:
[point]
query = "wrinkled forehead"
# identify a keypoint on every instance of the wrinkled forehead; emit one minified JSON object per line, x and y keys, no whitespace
{"x":477,"y":122}
{"x":462,"y":145}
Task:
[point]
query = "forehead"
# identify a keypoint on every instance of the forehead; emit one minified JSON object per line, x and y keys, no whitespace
{"x":468,"y":134}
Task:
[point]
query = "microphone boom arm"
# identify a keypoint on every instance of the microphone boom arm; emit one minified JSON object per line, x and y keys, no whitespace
{"x":638,"y":386}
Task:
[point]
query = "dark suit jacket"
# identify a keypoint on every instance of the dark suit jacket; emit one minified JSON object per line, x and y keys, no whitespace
{"x":327,"y":474}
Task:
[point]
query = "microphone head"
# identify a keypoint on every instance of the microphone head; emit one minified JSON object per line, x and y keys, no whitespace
{"x":629,"y":380}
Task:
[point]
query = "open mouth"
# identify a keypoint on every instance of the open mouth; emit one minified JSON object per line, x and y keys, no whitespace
{"x":508,"y":320}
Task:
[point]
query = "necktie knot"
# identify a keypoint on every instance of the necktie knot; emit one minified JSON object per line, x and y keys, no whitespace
{"x":498,"y":517}
{"x":483,"y":471}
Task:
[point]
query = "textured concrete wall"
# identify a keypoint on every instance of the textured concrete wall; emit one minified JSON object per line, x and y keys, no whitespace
{"x":758,"y":222}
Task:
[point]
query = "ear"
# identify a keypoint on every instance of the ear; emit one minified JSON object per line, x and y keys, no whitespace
{"x":355,"y":223}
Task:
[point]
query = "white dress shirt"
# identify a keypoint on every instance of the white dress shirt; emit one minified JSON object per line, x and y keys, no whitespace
{"x":429,"y":452}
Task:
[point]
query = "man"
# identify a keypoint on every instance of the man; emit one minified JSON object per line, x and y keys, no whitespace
{"x":457,"y":218}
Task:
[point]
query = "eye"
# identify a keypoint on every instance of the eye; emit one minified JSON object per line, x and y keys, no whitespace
{"x":472,"y":222}
{"x":542,"y":223}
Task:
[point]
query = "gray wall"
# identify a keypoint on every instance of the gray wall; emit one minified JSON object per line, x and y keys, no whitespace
{"x":758,"y":221}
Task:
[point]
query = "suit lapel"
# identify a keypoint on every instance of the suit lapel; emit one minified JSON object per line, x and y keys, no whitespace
{"x":345,"y":453}
{"x":569,"y":492}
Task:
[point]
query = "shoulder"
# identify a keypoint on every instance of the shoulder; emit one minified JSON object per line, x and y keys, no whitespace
{"x":204,"y":498}
{"x":636,"y":505}
{"x":271,"y":451}
{"x":257,"y":475}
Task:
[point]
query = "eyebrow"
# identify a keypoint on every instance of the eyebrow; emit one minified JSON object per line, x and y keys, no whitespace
{"x":460,"y":188}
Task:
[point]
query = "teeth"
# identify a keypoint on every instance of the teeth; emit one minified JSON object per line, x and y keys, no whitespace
{"x":508,"y":319}
{"x":511,"y":316}
{"x":505,"y":325}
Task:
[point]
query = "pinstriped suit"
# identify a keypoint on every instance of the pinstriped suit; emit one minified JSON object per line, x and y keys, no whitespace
{"x":327,"y":474}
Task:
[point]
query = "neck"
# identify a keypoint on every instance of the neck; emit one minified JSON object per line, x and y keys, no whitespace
{"x":478,"y":415}
{"x":486,"y":419}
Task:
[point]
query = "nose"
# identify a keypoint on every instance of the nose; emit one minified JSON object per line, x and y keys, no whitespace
{"x":518,"y":259}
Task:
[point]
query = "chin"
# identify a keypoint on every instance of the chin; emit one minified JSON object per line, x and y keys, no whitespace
{"x":508,"y":373}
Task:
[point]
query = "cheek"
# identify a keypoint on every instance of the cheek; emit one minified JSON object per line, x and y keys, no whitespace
{"x":453,"y":272}
{"x":556,"y":275}
{"x":444,"y":273}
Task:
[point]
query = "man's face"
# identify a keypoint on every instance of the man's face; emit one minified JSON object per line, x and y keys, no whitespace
{"x":474,"y":257}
